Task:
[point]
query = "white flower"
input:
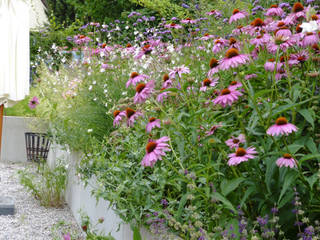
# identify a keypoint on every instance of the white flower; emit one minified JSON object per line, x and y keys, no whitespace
{"x":311,"y":26}
{"x":90,"y":130}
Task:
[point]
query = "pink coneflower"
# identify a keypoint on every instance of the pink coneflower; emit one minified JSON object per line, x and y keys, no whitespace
{"x":280,"y":74}
{"x":153,"y":122}
{"x":188,"y":21}
{"x":286,"y":161}
{"x":298,"y":13}
{"x":234,"y":142}
{"x":227,"y":97}
{"x":233,"y":43}
{"x":214,"y":67}
{"x":179,"y":71}
{"x":282,"y":43}
{"x":207,"y":36}
{"x":237,"y":15}
{"x":238,"y":30}
{"x":256,"y":26}
{"x":33,"y":102}
{"x":260,"y":40}
{"x":143,"y":91}
{"x":213,"y":129}
{"x":219,"y":44}
{"x":283,"y":32}
{"x":132,"y":115}
{"x":162,"y":95}
{"x":167,"y":82}
{"x":67,"y":236}
{"x":135,"y":78}
{"x":215,"y":13}
{"x":274,"y":10}
{"x":301,"y":57}
{"x":282,"y":127}
{"x":118,"y":115}
{"x":241,"y":155}
{"x":234,"y":85}
{"x":145,"y":50}
{"x":208,"y":83}
{"x":173,"y":25}
{"x":233,"y":59}
{"x":270,"y":65}
{"x":154,"y":151}
{"x":250,"y":76}
{"x":309,"y":39}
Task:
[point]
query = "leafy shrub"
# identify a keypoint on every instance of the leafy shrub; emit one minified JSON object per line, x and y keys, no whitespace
{"x":218,"y":161}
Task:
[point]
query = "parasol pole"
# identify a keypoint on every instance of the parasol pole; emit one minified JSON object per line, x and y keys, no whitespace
{"x":1,"y":123}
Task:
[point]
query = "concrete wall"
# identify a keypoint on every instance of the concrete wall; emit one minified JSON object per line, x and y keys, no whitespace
{"x":13,"y":140}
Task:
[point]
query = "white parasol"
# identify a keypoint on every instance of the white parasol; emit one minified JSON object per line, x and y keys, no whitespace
{"x":14,"y":53}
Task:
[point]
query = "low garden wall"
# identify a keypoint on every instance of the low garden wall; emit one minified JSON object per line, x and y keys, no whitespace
{"x":77,"y":195}
{"x":79,"y":199}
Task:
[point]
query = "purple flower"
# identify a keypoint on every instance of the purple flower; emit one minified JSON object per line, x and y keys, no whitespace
{"x":143,"y":91}
{"x":286,"y":161}
{"x":135,"y":78}
{"x":33,"y":102}
{"x":67,"y":236}
{"x":132,"y":115}
{"x":154,"y":151}
{"x":282,"y":127}
{"x":185,"y":5}
{"x":153,"y":122}
{"x":118,"y":117}
{"x":241,"y":155}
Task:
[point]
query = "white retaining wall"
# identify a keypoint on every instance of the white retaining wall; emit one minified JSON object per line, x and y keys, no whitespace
{"x":77,"y":196}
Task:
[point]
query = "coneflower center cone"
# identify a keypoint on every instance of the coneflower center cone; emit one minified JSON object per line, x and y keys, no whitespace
{"x":225,"y":91}
{"x":134,"y":74}
{"x":287,"y":156}
{"x":233,"y":83}
{"x":297,"y":7}
{"x":235,"y":11}
{"x":165,"y":77}
{"x":232,"y":52}
{"x":274,"y":6}
{"x":240,"y":152}
{"x":151,"y":146}
{"x":140,"y":87}
{"x":152,"y":119}
{"x":206,"y":82}
{"x":236,"y":140}
{"x":116,"y":113}
{"x":130,"y":112}
{"x":213,"y":63}
{"x":232,"y":40}
{"x":281,"y":121}
{"x":258,"y":22}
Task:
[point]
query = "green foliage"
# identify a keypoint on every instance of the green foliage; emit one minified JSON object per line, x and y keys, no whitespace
{"x":46,"y":185}
{"x":20,"y":109}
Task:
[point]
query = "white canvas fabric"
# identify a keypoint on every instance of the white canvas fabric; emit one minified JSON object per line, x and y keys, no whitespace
{"x":14,"y":51}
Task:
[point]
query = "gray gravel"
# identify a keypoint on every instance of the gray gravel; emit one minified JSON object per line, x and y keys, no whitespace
{"x":31,"y":221}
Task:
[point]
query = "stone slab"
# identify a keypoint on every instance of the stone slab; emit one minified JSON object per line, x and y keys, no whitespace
{"x":6,"y":205}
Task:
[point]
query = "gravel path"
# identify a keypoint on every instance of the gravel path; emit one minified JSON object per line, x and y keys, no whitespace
{"x":31,"y":221}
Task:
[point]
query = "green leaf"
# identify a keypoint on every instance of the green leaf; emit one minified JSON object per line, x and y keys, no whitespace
{"x":288,"y":180}
{"x":310,"y":144}
{"x":308,"y":157}
{"x":271,"y":166}
{"x":183,"y":201}
{"x":226,"y":202}
{"x":136,"y":234}
{"x":246,"y":195}
{"x":293,"y":148}
{"x":287,"y":107}
{"x":312,"y":180}
{"x":307,"y":114}
{"x":228,"y":186}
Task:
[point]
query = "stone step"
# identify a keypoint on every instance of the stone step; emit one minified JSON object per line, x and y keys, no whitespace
{"x":6,"y":205}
